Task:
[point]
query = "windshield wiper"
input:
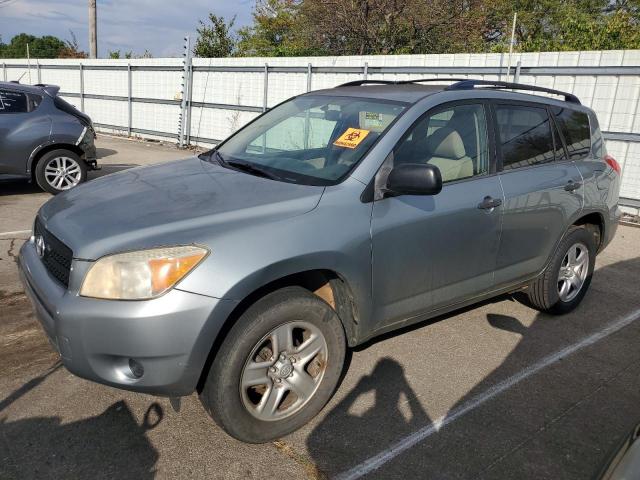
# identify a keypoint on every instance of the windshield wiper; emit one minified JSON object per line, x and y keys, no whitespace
{"x":250,"y":168}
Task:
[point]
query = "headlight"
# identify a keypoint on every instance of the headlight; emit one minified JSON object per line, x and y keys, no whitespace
{"x":140,"y":275}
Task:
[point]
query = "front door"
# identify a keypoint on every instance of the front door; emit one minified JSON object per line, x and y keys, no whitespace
{"x":429,"y":252}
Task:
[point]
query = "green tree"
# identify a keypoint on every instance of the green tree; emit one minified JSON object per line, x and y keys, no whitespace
{"x":365,"y":27}
{"x":39,"y":47}
{"x":215,"y":39}
{"x":276,"y":31}
{"x":71,"y":49}
{"x":115,"y":54}
{"x":553,"y":25}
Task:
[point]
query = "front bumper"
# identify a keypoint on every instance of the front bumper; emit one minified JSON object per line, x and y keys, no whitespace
{"x":170,"y":336}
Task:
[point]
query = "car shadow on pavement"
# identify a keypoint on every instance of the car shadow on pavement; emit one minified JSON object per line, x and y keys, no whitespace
{"x":106,"y":169}
{"x":109,"y":445}
{"x":345,"y":437}
{"x":18,"y":186}
{"x":346,"y":434}
{"x":102,"y":152}
{"x":27,"y":387}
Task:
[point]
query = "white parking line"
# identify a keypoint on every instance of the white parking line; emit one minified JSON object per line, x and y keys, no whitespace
{"x":413,"y":439}
{"x":17,"y":232}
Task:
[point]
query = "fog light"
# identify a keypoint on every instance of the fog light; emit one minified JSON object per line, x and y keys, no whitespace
{"x":137,"y":370}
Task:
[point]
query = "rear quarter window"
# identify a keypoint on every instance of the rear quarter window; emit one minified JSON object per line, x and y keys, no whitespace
{"x":18,"y":102}
{"x":574,"y":126}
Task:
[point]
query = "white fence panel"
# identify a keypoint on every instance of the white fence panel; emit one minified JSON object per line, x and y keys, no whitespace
{"x":144,"y":96}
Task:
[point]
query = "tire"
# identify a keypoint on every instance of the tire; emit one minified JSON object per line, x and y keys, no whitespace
{"x":546,"y":293}
{"x":243,"y":411}
{"x":52,"y":179}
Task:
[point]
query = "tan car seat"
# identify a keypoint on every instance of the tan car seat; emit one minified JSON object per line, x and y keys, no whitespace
{"x":446,"y":148}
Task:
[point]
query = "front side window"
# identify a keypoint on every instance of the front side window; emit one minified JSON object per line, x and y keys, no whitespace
{"x":574,"y":126}
{"x":315,"y":140}
{"x":525,"y":136}
{"x":453,"y":139}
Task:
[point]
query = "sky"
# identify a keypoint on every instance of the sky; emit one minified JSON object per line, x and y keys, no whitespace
{"x":130,"y":25}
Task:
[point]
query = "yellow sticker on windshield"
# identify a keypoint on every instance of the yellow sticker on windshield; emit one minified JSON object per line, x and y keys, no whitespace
{"x":351,"y":138}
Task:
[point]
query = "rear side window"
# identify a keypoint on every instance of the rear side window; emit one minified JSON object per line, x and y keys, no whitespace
{"x":525,"y":136}
{"x":574,"y":126}
{"x":13,"y":102}
{"x":18,"y":102}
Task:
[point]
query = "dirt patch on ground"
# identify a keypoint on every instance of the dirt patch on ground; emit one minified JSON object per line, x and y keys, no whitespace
{"x":23,"y":344}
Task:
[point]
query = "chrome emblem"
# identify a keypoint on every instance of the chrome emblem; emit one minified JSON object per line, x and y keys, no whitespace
{"x":40,"y":245}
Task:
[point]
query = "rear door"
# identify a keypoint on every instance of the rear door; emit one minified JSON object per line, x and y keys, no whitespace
{"x":22,"y":129}
{"x":542,"y":187}
{"x":429,"y":252}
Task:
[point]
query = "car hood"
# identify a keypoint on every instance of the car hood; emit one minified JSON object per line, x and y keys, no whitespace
{"x":179,"y":202}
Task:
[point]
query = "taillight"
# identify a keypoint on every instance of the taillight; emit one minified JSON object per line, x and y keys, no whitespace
{"x":612,"y":162}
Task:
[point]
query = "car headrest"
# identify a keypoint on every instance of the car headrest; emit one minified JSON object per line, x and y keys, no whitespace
{"x":446,"y":142}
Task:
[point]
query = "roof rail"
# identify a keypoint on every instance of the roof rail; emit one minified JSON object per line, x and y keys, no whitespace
{"x":470,"y":84}
{"x":357,"y":83}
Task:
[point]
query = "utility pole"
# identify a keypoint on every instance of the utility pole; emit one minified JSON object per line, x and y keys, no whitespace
{"x":93,"y":34}
{"x":513,"y":34}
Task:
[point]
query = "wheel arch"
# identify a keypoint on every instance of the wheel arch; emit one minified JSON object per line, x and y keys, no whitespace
{"x":327,"y":284}
{"x":594,"y":222}
{"x":41,"y":150}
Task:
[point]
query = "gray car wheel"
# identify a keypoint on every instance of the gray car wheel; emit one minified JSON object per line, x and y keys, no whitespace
{"x":277,"y":367}
{"x":567,"y":277}
{"x":60,"y":170}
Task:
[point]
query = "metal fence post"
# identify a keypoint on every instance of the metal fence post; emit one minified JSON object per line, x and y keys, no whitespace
{"x":365,"y":71}
{"x":129,"y":101}
{"x":38,"y":71}
{"x":265,"y":92}
{"x":189,"y":101}
{"x":309,"y":77}
{"x":516,"y":78}
{"x":186,"y":62}
{"x":81,"y":88}
{"x":4,"y":71}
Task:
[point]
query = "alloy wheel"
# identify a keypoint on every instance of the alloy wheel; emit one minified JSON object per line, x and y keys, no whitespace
{"x":573,"y":272}
{"x":283,"y":371}
{"x":62,"y":173}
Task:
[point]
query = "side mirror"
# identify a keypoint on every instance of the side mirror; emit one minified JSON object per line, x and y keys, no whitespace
{"x":415,"y":179}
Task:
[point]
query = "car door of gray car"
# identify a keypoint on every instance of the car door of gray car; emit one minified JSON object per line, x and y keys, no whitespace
{"x":543,"y":189}
{"x":429,"y":252}
{"x":22,"y":129}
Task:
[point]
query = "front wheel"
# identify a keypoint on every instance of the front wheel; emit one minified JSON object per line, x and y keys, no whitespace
{"x":277,"y":368}
{"x":566,"y":279}
{"x":60,"y":170}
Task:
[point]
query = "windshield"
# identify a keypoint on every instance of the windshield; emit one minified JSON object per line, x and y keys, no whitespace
{"x":315,"y":140}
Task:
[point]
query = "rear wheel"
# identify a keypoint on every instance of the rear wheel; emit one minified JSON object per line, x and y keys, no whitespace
{"x":277,"y":368}
{"x":566,"y":279}
{"x":60,"y":170}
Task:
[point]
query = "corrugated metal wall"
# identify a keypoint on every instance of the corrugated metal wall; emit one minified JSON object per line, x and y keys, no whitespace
{"x":143,"y":96}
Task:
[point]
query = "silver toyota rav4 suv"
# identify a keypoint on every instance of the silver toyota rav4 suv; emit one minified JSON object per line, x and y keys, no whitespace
{"x":245,"y":273}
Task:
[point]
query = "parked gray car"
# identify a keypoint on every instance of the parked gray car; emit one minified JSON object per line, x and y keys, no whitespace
{"x":245,"y":273}
{"x":43,"y":138}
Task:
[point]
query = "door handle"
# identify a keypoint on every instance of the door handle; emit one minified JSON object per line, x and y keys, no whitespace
{"x":571,"y":186}
{"x":489,"y":203}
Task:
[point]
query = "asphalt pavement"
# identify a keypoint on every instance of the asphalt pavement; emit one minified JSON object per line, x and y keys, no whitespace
{"x":496,"y":391}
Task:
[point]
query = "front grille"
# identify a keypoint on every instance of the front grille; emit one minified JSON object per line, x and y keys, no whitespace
{"x":56,"y":256}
